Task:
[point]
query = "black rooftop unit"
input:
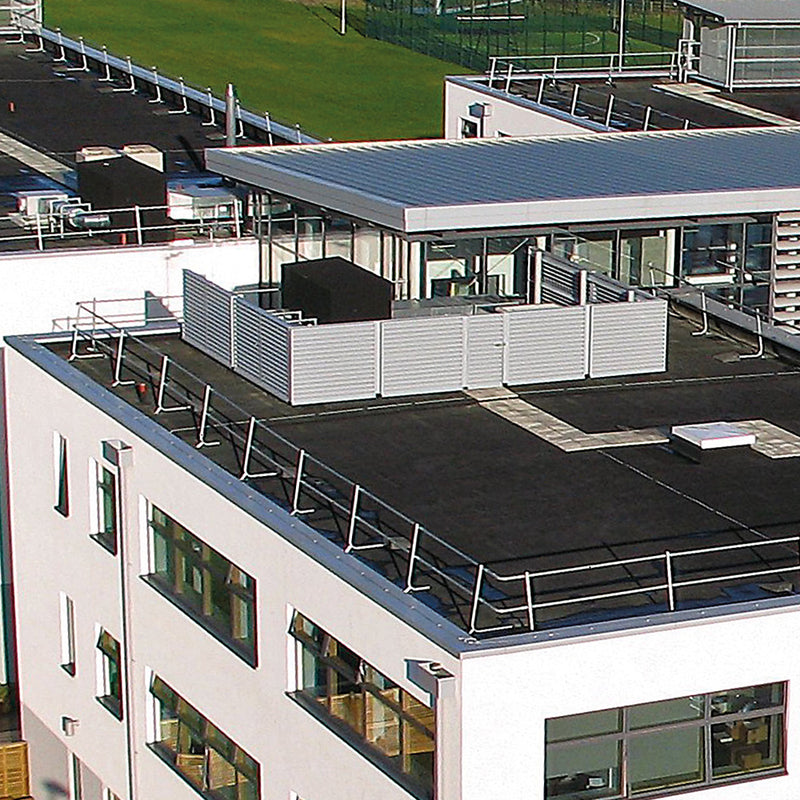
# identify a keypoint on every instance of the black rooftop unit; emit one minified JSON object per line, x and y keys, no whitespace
{"x":335,"y":290}
{"x":122,"y":182}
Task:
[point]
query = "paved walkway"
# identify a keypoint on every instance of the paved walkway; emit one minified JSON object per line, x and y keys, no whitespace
{"x":772,"y":441}
{"x":37,"y":160}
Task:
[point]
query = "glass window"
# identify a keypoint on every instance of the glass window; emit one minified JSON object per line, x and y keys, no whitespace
{"x":745,"y":746}
{"x":110,"y":675}
{"x":75,"y":778}
{"x":213,"y":763}
{"x":588,"y":769}
{"x":218,"y":594}
{"x":105,"y":507}
{"x":67,"y":634}
{"x":699,"y":740}
{"x":397,"y":728}
{"x":649,"y":714}
{"x":662,"y":759}
{"x":61,"y":475}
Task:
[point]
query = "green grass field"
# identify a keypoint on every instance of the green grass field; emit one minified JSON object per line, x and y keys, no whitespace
{"x":283,"y":57}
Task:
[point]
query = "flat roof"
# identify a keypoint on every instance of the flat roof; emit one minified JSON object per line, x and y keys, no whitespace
{"x":748,"y":10}
{"x":505,"y":497}
{"x":445,"y":185}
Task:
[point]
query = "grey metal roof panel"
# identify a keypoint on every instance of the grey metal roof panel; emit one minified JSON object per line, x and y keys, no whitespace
{"x":749,"y":10}
{"x":524,"y":177}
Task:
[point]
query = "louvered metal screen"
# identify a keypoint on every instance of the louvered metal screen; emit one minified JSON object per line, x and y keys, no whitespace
{"x":422,"y":355}
{"x":628,"y":338}
{"x":483,"y":365}
{"x":559,"y":281}
{"x":546,"y":344}
{"x":207,"y":317}
{"x":262,"y":343}
{"x":602,"y":289}
{"x":334,"y":362}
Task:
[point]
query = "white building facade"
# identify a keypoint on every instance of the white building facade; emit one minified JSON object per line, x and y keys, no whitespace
{"x":179,"y":634}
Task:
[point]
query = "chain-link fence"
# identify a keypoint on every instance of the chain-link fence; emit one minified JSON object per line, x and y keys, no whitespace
{"x":468,"y":32}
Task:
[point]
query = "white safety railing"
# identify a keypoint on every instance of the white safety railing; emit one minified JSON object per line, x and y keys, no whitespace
{"x":469,"y":592}
{"x":504,"y":69}
{"x":123,"y":312}
{"x":161,"y":87}
{"x":39,"y":230}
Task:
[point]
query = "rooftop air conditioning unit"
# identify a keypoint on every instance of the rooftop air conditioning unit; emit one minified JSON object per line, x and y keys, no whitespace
{"x":33,"y":203}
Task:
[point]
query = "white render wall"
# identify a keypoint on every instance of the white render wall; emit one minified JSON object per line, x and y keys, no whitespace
{"x":523,"y":687}
{"x":39,"y":287}
{"x":52,"y":554}
{"x":508,"y":117}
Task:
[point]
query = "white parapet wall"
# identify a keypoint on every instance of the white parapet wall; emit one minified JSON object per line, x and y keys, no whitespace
{"x":490,"y":112}
{"x":40,"y":287}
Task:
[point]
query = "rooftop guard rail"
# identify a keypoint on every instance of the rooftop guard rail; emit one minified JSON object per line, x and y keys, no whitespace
{"x":161,"y":88}
{"x":124,"y":312}
{"x":474,"y":595}
{"x":38,"y":229}
{"x":584,"y":65}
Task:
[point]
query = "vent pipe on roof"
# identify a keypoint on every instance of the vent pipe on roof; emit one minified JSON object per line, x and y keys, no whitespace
{"x":230,"y":116}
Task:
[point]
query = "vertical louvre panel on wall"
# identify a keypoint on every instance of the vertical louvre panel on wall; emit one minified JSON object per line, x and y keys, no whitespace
{"x":628,"y":338}
{"x":334,"y":362}
{"x":484,"y":351}
{"x":422,"y":355}
{"x":207,"y":317}
{"x":262,"y":348}
{"x":559,"y":281}
{"x":546,"y":344}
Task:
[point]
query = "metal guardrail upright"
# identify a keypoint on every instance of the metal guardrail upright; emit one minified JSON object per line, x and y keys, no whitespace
{"x":162,"y":88}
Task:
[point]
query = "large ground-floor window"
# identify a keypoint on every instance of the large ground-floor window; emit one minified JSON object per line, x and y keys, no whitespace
{"x":671,"y":745}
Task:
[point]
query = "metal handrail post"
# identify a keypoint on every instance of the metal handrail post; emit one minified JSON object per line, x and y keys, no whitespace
{"x":118,"y":363}
{"x":351,"y":525}
{"x":298,"y":481}
{"x":137,"y":215}
{"x":759,"y":353}
{"x":62,"y":53}
{"x":609,"y":109}
{"x":670,"y":584}
{"x":212,"y":118}
{"x":476,"y":594}
{"x":40,"y":48}
{"x":529,"y":601}
{"x":704,"y":311}
{"x":162,"y":386}
{"x":131,"y":87}
{"x":201,"y":433}
{"x":106,"y":78}
{"x":574,"y":103}
{"x":248,"y":450}
{"x":239,"y":123}
{"x":492,"y":65}
{"x":157,"y":85}
{"x":268,"y":124}
{"x":508,"y":76}
{"x":412,"y":557}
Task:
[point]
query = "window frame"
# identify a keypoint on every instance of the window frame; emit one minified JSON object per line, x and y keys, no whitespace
{"x":61,"y":474}
{"x":67,"y":622}
{"x":704,"y":723}
{"x":201,"y":732}
{"x":188,"y":549}
{"x":326,"y":651}
{"x":109,"y":657}
{"x":104,"y":481}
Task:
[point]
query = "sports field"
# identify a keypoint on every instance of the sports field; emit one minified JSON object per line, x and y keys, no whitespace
{"x":283,"y":56}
